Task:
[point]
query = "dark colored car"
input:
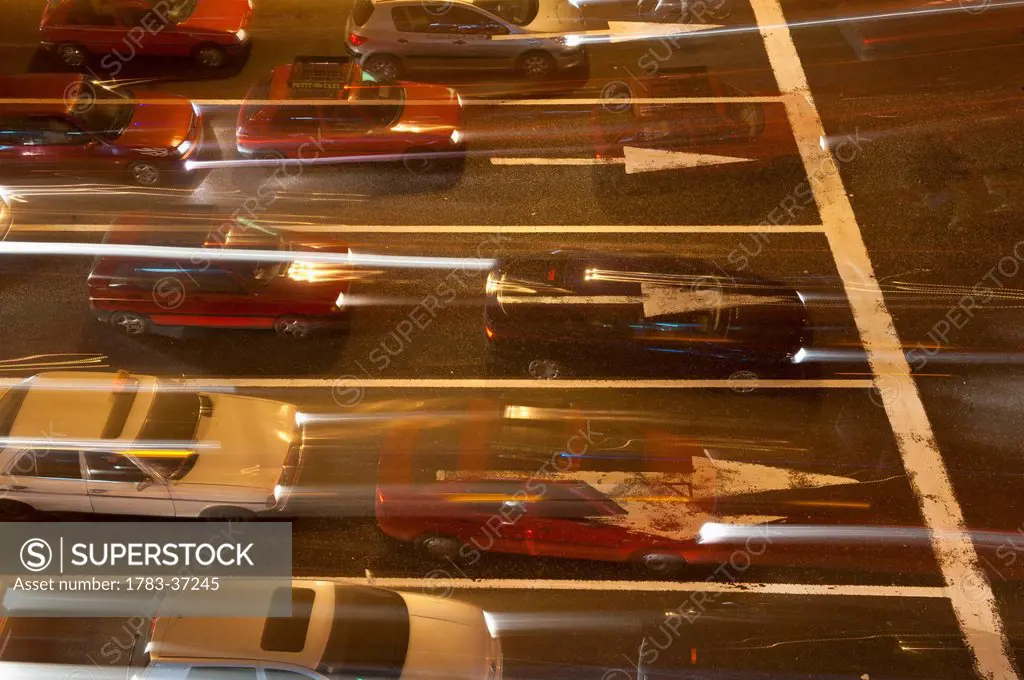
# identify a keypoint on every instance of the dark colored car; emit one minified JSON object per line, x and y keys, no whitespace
{"x":138,"y":296}
{"x":209,"y":31}
{"x":341,"y":114}
{"x":61,"y":124}
{"x":575,"y":311}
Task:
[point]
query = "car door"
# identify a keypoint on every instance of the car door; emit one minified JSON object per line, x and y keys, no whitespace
{"x":49,"y":480}
{"x":147,"y":32}
{"x":96,"y":30}
{"x":220,"y":300}
{"x":569,"y":522}
{"x":471,"y":32}
{"x":294,"y":127}
{"x":415,"y":40}
{"x":118,"y":486}
{"x":348,"y":133}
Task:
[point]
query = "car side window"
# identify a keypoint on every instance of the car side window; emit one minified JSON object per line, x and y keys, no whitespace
{"x":220,"y":673}
{"x":53,"y":131}
{"x":134,"y":16}
{"x":415,"y":18}
{"x":216,"y":281}
{"x":106,"y":466}
{"x":466,"y":21}
{"x":58,"y":464}
{"x":84,"y":13}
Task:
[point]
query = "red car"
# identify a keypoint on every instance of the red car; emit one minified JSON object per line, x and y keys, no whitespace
{"x":138,"y":296}
{"x":209,"y":31}
{"x":65,"y":124}
{"x":340,"y":113}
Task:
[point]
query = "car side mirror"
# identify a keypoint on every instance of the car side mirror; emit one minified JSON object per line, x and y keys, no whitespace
{"x":144,"y":484}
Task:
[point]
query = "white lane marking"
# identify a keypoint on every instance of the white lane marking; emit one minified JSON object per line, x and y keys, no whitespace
{"x":931,"y":592}
{"x":635,"y":159}
{"x":976,"y":610}
{"x":483,"y":383}
{"x":455,"y":229}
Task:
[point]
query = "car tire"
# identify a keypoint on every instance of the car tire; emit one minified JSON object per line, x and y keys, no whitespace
{"x":439,"y":546}
{"x":227,"y":514}
{"x":73,"y":55}
{"x":130,"y":323}
{"x":660,"y":564}
{"x":420,"y":161}
{"x":384,"y":67}
{"x":537,"y":65}
{"x":546,"y":368}
{"x":145,"y":174}
{"x":13,"y":511}
{"x":293,"y":327}
{"x":210,"y":56}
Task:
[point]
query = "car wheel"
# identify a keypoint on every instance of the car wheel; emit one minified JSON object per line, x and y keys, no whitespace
{"x":14,"y":511}
{"x":383,"y":66}
{"x":293,"y":327}
{"x":661,"y":564}
{"x":72,"y":55}
{"x":227,"y":514}
{"x":440,"y":547}
{"x":210,"y":56}
{"x":537,"y":65}
{"x":420,"y":161}
{"x":145,"y":174}
{"x":546,"y":369}
{"x":130,"y":323}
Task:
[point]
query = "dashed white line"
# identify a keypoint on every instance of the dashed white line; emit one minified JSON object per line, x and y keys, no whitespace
{"x":967,"y":587}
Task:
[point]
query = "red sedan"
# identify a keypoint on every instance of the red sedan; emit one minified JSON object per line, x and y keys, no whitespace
{"x":60,"y":124}
{"x":341,"y":113}
{"x":292,"y":297}
{"x":209,"y":31}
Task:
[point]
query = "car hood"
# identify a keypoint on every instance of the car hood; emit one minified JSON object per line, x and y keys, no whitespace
{"x":226,"y":16}
{"x":447,"y":639}
{"x":254,"y":436}
{"x":159,"y":123}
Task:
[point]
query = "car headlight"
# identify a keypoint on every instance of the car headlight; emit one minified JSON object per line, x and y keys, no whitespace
{"x":492,"y":285}
{"x":456,"y":137}
{"x":278,"y":493}
{"x":184,"y":148}
{"x":251,"y":3}
{"x":339,"y":303}
{"x":491,"y":623}
{"x":799,"y":356}
{"x":241,"y":35}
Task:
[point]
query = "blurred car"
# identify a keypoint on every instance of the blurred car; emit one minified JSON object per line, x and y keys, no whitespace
{"x":877,"y":28}
{"x":62,"y":124}
{"x":6,"y":216}
{"x":293,"y":298}
{"x":555,"y":313}
{"x":629,"y":117}
{"x":336,"y":632}
{"x":123,"y":444}
{"x":209,"y":31}
{"x":393,"y":37}
{"x":354,"y":118}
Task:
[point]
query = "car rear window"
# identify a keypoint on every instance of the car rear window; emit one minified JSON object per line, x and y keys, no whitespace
{"x":362,"y":11}
{"x":370,"y":635}
{"x":288,"y":633}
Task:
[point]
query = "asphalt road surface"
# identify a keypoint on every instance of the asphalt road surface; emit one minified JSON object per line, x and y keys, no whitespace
{"x":900,"y":211}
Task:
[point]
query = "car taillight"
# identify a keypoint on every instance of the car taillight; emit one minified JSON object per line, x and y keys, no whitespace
{"x":355,"y":39}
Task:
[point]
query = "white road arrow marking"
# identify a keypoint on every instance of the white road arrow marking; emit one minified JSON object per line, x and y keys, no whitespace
{"x":636,"y":160}
{"x":617,"y":31}
{"x":657,"y":300}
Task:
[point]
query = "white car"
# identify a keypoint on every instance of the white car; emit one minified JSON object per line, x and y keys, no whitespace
{"x":336,"y":632}
{"x":116,"y":443}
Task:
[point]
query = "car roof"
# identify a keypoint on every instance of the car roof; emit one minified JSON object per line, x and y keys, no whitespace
{"x":186,"y":638}
{"x":49,"y":86}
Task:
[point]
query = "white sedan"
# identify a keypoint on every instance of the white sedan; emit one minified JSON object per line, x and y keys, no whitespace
{"x":336,"y":631}
{"x":116,"y":443}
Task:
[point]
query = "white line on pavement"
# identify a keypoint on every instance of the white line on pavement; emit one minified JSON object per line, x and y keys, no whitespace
{"x":483,"y":383}
{"x":967,"y":587}
{"x":456,"y":229}
{"x":433,"y":582}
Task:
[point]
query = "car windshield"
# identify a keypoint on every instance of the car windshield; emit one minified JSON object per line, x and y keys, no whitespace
{"x":10,"y":404}
{"x":370,"y":634}
{"x":103,"y":111}
{"x":181,"y":10}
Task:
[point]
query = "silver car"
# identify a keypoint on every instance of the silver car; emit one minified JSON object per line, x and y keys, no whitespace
{"x":393,"y":37}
